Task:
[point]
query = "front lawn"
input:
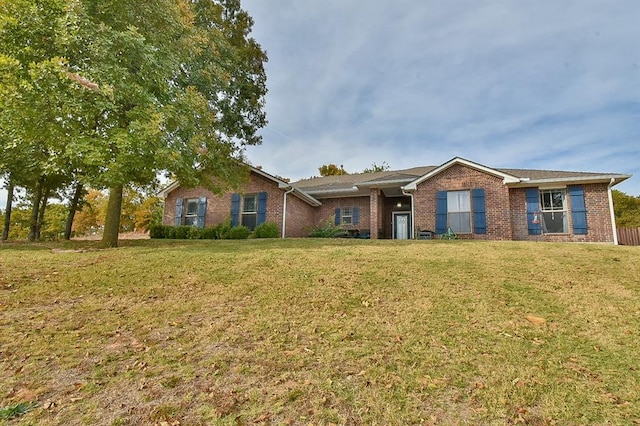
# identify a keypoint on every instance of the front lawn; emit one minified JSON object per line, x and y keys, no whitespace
{"x":318,"y":331}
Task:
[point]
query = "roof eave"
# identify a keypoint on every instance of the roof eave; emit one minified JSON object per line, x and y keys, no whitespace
{"x":383,"y":183}
{"x":164,"y":192}
{"x":570,"y":180}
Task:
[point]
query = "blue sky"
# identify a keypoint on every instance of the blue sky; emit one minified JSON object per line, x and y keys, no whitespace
{"x":544,"y":84}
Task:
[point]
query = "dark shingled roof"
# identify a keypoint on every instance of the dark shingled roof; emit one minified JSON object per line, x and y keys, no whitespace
{"x":401,"y":177}
{"x":549,"y":174}
{"x":346,"y":182}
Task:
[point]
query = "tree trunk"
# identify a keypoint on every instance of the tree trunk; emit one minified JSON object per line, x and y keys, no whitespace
{"x":37,"y":195}
{"x":73,"y":207}
{"x":43,"y":206}
{"x":7,"y":211}
{"x":112,"y":220}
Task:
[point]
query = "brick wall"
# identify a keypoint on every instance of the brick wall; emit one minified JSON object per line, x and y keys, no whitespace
{"x":329,"y":206}
{"x":300,"y":217}
{"x":219,"y":206}
{"x":458,"y":178}
{"x":598,"y":217}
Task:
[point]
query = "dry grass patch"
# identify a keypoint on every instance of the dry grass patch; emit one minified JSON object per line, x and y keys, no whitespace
{"x":320,"y":332}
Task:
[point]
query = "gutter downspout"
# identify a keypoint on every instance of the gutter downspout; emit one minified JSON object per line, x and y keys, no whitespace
{"x":413,"y":221}
{"x":284,"y":211}
{"x":612,"y":212}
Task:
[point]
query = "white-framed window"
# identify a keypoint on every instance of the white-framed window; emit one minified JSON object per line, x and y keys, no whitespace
{"x":459,"y":211}
{"x":249,"y":211}
{"x":347,"y":216}
{"x":553,"y":204}
{"x":191,"y":212}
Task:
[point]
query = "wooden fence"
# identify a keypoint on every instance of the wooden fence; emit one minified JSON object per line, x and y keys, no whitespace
{"x":629,"y":236}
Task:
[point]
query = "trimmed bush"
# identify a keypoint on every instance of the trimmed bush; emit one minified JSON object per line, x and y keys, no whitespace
{"x":170,"y":232}
{"x":266,"y":230}
{"x":239,"y":233}
{"x":194,"y":233}
{"x":182,"y":232}
{"x":158,"y":231}
{"x":223,"y":229}
{"x":209,"y":233}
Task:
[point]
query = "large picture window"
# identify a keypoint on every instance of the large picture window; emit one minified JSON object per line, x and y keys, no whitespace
{"x":249,"y":211}
{"x":553,"y":204}
{"x":459,"y":211}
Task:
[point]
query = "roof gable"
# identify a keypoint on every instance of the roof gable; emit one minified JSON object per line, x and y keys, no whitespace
{"x":303,"y":195}
{"x":506,"y":177}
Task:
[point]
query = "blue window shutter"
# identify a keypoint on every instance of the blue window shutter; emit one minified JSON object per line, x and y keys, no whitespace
{"x":262,"y":208}
{"x":441,"y":212}
{"x":235,"y":209}
{"x":479,"y":211}
{"x":178,"y":217}
{"x":202,"y":211}
{"x":533,"y":205}
{"x":356,"y":215}
{"x":337,"y":216}
{"x":578,"y":210}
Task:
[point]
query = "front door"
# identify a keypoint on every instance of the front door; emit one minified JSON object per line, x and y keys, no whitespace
{"x":401,"y":225}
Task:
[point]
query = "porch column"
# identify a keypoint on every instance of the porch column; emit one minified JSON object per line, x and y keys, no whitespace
{"x":373,"y":211}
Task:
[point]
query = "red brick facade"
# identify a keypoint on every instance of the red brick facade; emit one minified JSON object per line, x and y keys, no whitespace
{"x":598,"y":217}
{"x":506,"y":208}
{"x":458,"y":178}
{"x":329,"y":205}
{"x":299,"y":213}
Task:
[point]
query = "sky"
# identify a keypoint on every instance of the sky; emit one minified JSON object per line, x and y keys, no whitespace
{"x":544,"y":85}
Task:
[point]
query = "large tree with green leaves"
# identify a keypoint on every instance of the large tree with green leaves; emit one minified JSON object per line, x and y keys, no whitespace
{"x":627,"y":209}
{"x":174,"y":86}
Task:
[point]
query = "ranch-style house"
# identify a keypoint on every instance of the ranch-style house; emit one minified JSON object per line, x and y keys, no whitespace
{"x":460,"y":196}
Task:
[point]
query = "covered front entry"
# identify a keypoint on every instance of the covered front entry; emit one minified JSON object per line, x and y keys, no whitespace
{"x":401,"y":225}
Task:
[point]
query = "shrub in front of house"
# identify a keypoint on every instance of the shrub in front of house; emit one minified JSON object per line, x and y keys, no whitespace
{"x":195,"y":233}
{"x":182,"y":232}
{"x":327,"y":229}
{"x":239,"y":233}
{"x":209,"y":233}
{"x":266,"y":230}
{"x":158,"y":231}
{"x":223,"y":229}
{"x":171,"y":233}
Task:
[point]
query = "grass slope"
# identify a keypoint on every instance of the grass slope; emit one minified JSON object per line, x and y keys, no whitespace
{"x":321,"y":332}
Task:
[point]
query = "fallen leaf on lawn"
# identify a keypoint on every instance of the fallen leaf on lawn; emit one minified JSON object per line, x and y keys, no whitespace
{"x":535,"y":320}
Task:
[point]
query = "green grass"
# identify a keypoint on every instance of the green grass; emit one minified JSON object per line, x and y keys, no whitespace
{"x":320,"y":332}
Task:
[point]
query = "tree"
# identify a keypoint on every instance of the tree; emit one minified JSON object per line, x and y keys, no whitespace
{"x":626,"y":209}
{"x":377,"y":168}
{"x":90,"y":217}
{"x":140,"y":88}
{"x":39,"y":99}
{"x":331,"y":170}
{"x":7,"y":212}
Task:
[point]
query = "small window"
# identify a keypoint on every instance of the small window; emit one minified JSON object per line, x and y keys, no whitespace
{"x":347,"y":216}
{"x":191,"y":212}
{"x":554,"y":211}
{"x":459,"y":211}
{"x":249,"y":212}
